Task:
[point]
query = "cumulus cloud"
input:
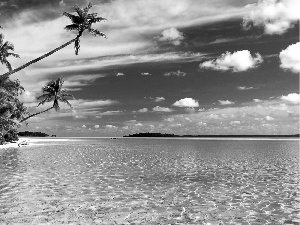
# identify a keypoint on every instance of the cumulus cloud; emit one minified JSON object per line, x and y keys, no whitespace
{"x":120,"y":74}
{"x":172,"y":35}
{"x":290,"y":58}
{"x":237,"y":61}
{"x":291,"y":98}
{"x":159,"y":99}
{"x":186,"y":102}
{"x":27,"y":97}
{"x":162,"y":109}
{"x":257,"y":100}
{"x":275,"y":16}
{"x":146,"y":74}
{"x":177,"y":73}
{"x":269,"y":118}
{"x":143,"y":110}
{"x":235,"y":122}
{"x":83,"y":126}
{"x":225,"y":102}
{"x":96,"y":126}
{"x":110,"y":126}
{"x":243,"y":88}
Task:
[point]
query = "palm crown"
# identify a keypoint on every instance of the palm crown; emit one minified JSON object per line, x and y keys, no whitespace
{"x":5,"y":48}
{"x":53,"y":92}
{"x":83,"y":21}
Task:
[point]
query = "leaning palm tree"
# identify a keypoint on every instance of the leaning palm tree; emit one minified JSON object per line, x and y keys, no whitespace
{"x":80,"y":22}
{"x":5,"y":52}
{"x":52,"y":92}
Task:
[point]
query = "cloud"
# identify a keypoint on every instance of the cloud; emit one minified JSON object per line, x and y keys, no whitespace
{"x":291,"y":98}
{"x":269,"y":118}
{"x":159,"y":99}
{"x":96,"y":126}
{"x":225,"y":102}
{"x":243,"y":88}
{"x":110,"y":126}
{"x":27,"y":97}
{"x":84,"y":103}
{"x":143,"y":110}
{"x":290,"y":58}
{"x":120,"y":74}
{"x":83,"y":126}
{"x":275,"y":16}
{"x":146,"y":74}
{"x":177,"y":73}
{"x":236,"y":122}
{"x":186,"y":102}
{"x":237,"y":61}
{"x":76,"y":81}
{"x":172,"y":35}
{"x":257,"y":100}
{"x":161,"y":109}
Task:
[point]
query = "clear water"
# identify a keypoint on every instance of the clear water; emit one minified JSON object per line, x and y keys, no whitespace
{"x":151,"y":181}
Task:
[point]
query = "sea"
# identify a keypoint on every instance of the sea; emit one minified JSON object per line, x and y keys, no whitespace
{"x":151,"y":181}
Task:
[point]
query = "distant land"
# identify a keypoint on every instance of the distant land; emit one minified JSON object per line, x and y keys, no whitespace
{"x":207,"y":136}
{"x":34,"y":134}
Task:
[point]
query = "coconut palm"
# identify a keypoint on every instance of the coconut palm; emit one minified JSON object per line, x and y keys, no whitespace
{"x":52,"y":92}
{"x":5,"y":48}
{"x":80,"y":22}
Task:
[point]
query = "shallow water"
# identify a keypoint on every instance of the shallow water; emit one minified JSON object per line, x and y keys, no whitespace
{"x":151,"y":181}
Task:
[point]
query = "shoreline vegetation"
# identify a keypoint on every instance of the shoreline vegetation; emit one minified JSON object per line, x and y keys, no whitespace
{"x":147,"y":134}
{"x":13,"y":112}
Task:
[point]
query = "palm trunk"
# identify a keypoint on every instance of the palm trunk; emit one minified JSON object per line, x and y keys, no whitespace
{"x":36,"y":114}
{"x":41,"y":57}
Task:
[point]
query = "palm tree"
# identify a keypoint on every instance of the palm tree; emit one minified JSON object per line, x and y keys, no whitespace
{"x":80,"y":22}
{"x":52,"y":92}
{"x":5,"y":48}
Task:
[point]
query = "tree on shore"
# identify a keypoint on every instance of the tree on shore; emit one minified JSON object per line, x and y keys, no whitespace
{"x":80,"y":22}
{"x":52,"y":92}
{"x":5,"y":52}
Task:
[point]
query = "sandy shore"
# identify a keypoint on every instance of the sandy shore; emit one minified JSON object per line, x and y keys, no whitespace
{"x":22,"y":142}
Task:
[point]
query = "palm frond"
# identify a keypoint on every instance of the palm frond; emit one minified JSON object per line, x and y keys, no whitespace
{"x":97,"y":32}
{"x":78,"y":10}
{"x":94,"y":19}
{"x":72,"y":27}
{"x":13,"y":54}
{"x":86,"y":9}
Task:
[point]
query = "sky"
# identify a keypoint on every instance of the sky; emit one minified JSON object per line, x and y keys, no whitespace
{"x":171,"y":66}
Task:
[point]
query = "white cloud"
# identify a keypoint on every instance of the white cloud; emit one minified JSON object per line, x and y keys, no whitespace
{"x":257,"y":100}
{"x":110,"y":126}
{"x":177,"y":73}
{"x":291,"y":98}
{"x":225,"y":102}
{"x":235,"y":122}
{"x":269,"y":118}
{"x":275,"y":16}
{"x":172,"y":35}
{"x":243,"y":88}
{"x":143,"y":110}
{"x":290,"y":57}
{"x":138,"y":124}
{"x":146,"y":74}
{"x":159,"y":99}
{"x":120,"y":74}
{"x":169,"y":119}
{"x":186,"y":102}
{"x":96,"y":126}
{"x":237,"y":61}
{"x":83,"y":126}
{"x":27,"y":97}
{"x":162,"y":109}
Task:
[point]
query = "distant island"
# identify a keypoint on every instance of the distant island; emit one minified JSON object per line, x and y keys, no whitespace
{"x":208,"y":136}
{"x":33,"y":134}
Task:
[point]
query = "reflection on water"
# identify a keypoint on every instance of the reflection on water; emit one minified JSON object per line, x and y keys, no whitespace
{"x":138,"y":181}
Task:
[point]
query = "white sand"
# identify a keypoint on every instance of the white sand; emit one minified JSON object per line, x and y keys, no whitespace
{"x":20,"y":143}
